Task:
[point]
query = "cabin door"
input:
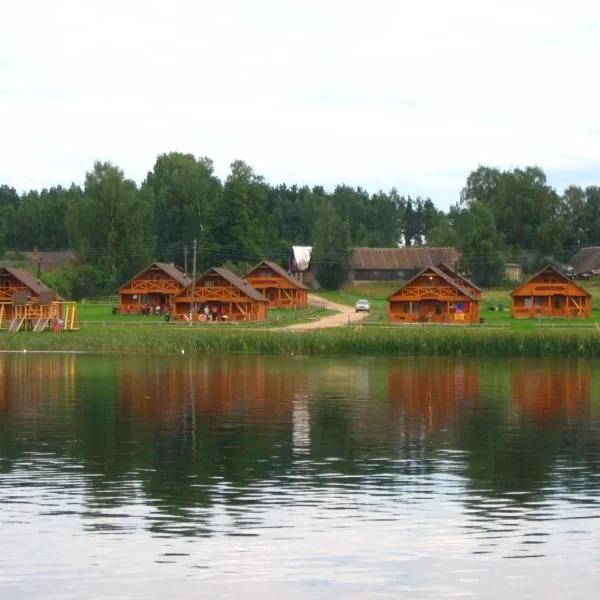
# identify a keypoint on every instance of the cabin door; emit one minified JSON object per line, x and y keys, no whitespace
{"x":272,"y":296}
{"x":558,"y":306}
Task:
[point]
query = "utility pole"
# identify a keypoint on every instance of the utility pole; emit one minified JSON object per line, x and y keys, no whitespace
{"x":193,"y":283}
{"x":185,"y":259}
{"x":38,"y":259}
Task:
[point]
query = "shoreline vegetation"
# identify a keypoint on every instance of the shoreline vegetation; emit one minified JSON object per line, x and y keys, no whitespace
{"x":342,"y":341}
{"x":500,"y":336}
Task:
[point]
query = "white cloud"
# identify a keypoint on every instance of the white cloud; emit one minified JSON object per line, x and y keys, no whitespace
{"x":378,"y":94}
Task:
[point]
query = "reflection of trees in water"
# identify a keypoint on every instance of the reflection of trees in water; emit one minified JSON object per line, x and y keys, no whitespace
{"x":517,"y":445}
{"x":185,"y":434}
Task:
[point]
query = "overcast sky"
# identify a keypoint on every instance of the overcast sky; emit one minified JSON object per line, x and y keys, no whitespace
{"x":375,"y":93}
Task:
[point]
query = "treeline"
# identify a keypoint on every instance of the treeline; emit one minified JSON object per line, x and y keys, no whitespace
{"x":116,"y":227}
{"x":517,"y":216}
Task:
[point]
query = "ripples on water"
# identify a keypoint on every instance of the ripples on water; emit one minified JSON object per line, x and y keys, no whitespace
{"x":238,"y":477}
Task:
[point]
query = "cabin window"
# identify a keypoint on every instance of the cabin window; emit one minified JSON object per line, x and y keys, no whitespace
{"x":209,"y":283}
{"x":537,"y":302}
{"x":556,"y":302}
{"x":527,"y":302}
{"x":416,"y":307}
{"x":264,"y":274}
{"x":438,"y":309}
{"x":405,"y":307}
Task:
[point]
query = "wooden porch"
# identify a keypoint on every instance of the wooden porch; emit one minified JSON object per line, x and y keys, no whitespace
{"x":557,"y":306}
{"x":219,"y":295}
{"x":424,"y":311}
{"x":38,"y":316}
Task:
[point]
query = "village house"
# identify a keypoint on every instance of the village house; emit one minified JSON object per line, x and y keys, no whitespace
{"x":586,"y":260}
{"x":220,"y":295}
{"x":513,"y":272}
{"x":395,"y":264}
{"x":152,"y":288}
{"x":433,"y":296}
{"x":550,"y":293}
{"x":278,"y":287}
{"x":42,"y":261}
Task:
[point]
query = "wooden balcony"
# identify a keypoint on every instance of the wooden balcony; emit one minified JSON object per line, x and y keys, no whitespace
{"x":149,"y":286}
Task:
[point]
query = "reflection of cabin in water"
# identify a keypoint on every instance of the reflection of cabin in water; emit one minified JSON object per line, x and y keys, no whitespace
{"x":549,"y":293}
{"x":155,"y":286}
{"x":25,"y":301}
{"x":224,"y":294}
{"x":277,"y":286}
{"x":434,"y":296}
{"x":248,"y":386}
{"x":551,"y":393}
{"x":26,"y":386}
{"x":431,"y":394}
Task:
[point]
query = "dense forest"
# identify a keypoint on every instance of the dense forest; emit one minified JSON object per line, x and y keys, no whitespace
{"x":116,"y":227}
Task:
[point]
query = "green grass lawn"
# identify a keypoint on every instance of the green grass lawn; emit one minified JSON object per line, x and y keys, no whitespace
{"x":97,"y":314}
{"x":377,"y":294}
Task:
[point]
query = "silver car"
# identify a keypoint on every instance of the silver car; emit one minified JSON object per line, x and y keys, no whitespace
{"x":362,"y":305}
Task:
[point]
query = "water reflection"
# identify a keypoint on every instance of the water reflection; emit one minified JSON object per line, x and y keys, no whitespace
{"x":558,"y":394}
{"x":430,"y":396}
{"x":449,"y":456}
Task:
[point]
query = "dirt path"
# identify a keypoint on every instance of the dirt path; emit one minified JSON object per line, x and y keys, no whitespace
{"x":345,"y":314}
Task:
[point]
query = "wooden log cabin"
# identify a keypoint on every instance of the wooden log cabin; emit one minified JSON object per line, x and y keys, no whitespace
{"x":221,"y":295}
{"x":433,"y":296}
{"x":27,"y":302}
{"x":277,"y":286}
{"x":550,"y":293}
{"x":154,"y":287}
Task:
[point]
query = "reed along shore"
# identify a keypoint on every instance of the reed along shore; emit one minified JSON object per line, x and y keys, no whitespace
{"x":324,"y":342}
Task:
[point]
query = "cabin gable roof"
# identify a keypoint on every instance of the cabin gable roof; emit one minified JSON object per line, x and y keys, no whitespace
{"x":171,"y":270}
{"x":555,"y":272}
{"x":230,"y":277}
{"x":442,"y":275}
{"x":453,"y":272}
{"x":30,"y":281}
{"x":279,"y":271}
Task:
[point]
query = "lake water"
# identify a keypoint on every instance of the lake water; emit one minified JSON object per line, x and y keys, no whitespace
{"x":236,"y":477}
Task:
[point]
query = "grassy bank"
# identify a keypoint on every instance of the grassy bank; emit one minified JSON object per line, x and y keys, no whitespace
{"x":491,"y":301}
{"x":333,"y":342}
{"x":94,"y":314}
